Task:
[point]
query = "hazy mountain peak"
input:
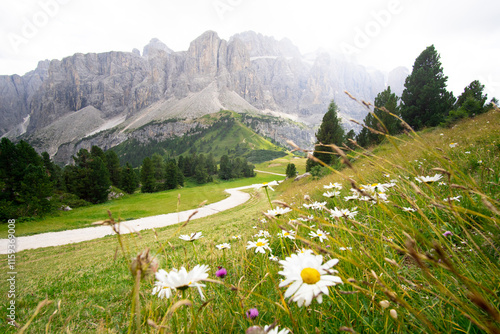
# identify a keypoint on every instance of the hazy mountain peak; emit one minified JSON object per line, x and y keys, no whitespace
{"x":154,"y":46}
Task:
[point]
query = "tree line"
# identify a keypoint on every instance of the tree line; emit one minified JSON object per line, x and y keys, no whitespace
{"x":31,"y":184}
{"x":425,"y":102}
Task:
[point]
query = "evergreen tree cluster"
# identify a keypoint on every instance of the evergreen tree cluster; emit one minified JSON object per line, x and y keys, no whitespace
{"x":425,"y":102}
{"x":27,"y":181}
{"x":235,"y":168}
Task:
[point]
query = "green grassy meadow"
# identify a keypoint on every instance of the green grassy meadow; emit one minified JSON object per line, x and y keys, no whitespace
{"x":413,"y":257}
{"x":135,"y":206}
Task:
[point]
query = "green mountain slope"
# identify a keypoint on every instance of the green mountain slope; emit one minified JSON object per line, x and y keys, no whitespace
{"x":218,"y":134}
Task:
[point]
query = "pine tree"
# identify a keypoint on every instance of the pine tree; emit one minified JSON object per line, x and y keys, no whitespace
{"x":148,"y":182}
{"x":425,"y":100}
{"x":98,"y":181}
{"x":291,"y":171}
{"x":472,"y":99}
{"x":330,"y":132}
{"x":129,"y":180}
{"x":224,"y":168}
{"x":380,"y":120}
{"x":159,"y":167}
{"x":114,"y":169}
{"x":171,"y":177}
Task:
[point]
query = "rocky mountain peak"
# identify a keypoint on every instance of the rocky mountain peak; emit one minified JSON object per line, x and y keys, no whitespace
{"x":259,"y":45}
{"x":154,"y":47}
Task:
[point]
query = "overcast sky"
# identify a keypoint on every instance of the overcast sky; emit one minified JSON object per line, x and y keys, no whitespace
{"x":382,"y":34}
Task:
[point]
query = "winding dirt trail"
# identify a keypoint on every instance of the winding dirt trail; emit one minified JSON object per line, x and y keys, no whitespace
{"x":236,"y":198}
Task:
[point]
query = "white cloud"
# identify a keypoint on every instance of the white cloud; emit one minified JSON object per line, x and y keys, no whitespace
{"x":464,"y":33}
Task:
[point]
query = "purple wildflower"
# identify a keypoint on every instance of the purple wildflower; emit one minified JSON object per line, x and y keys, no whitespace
{"x":222,"y":272}
{"x":447,"y":233}
{"x":252,"y":313}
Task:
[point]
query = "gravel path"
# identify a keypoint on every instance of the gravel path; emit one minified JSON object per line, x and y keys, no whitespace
{"x":236,"y":198}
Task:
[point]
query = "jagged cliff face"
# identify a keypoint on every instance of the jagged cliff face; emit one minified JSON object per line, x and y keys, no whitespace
{"x":124,"y":90}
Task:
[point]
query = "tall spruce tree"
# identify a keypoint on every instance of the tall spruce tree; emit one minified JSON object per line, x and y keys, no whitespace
{"x":329,"y":132}
{"x":380,"y":120}
{"x":425,"y":100}
{"x":148,"y":181}
{"x":225,"y":168}
{"x":129,"y":180}
{"x":114,"y":169}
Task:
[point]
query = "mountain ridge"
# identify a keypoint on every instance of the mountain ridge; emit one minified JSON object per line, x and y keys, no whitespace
{"x":250,"y":73}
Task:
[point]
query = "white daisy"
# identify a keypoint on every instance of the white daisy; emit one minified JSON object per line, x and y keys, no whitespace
{"x":306,"y":219}
{"x":321,"y":235}
{"x":266,"y":185}
{"x":182,"y":279}
{"x":192,"y":237}
{"x":236,"y":237}
{"x":331,"y":194}
{"x":405,"y":209}
{"x":305,"y":251}
{"x":316,"y":205}
{"x":273,"y":258}
{"x":223,"y":246}
{"x":452,"y":145}
{"x":307,"y":278}
{"x":337,"y":213}
{"x":429,"y":179}
{"x":278,"y":212}
{"x":453,"y":199}
{"x":275,"y":330}
{"x":262,"y":233}
{"x":260,"y":245}
{"x":333,"y":185}
{"x":287,"y":234}
{"x":161,"y":288}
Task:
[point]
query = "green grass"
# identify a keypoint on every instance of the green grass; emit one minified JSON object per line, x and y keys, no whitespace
{"x":434,"y":283}
{"x":279,"y":165}
{"x":135,"y":206}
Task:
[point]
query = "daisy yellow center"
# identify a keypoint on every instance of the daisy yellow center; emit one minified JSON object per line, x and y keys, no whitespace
{"x":320,"y":234}
{"x":260,"y":244}
{"x":310,"y":275}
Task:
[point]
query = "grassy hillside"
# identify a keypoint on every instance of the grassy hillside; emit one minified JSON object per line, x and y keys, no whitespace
{"x":414,"y":257}
{"x":224,"y":134}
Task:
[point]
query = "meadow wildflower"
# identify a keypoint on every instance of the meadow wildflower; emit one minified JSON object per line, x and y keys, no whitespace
{"x":260,"y":245}
{"x":262,"y":233}
{"x":321,"y":235}
{"x":182,"y":279}
{"x":335,"y":185}
{"x":287,"y":234}
{"x":278,"y":212}
{"x":316,"y":205}
{"x":161,"y":288}
{"x":452,"y":145}
{"x":305,"y":251}
{"x":331,"y":194}
{"x":447,"y":233}
{"x":307,"y":277}
{"x":275,"y":330}
{"x":252,"y":313}
{"x":452,"y":199}
{"x":409,"y":209}
{"x":429,"y":179}
{"x":223,"y":246}
{"x":221,"y":272}
{"x":192,"y":237}
{"x":266,"y":185}
{"x":273,"y":258}
{"x":337,"y":213}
